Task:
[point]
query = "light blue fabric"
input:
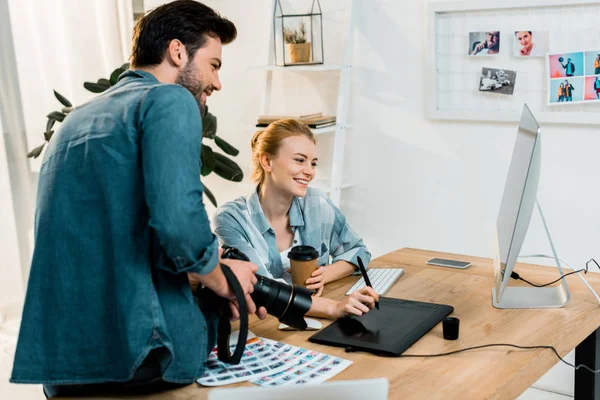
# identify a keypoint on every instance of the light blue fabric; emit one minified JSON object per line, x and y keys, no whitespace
{"x":242,"y":224}
{"x":119,"y":224}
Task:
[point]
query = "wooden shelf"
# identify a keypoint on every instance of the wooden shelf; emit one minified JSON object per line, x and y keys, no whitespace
{"x":327,"y":129}
{"x":299,"y":68}
{"x":317,"y":131}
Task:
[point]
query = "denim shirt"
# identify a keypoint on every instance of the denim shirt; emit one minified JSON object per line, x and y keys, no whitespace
{"x":119,"y":223}
{"x":242,"y":224}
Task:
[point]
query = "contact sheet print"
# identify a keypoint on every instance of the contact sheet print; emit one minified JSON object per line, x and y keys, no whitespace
{"x":270,"y":363}
{"x":310,"y":367}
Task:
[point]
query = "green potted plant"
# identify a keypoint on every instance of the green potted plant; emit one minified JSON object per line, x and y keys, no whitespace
{"x":297,"y":46}
{"x":212,"y":161}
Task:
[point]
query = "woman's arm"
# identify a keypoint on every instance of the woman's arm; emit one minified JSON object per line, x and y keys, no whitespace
{"x":323,"y":275}
{"x":358,"y":303}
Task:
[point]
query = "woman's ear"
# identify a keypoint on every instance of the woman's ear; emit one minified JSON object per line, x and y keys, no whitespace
{"x":265,"y":162}
{"x":176,"y":53}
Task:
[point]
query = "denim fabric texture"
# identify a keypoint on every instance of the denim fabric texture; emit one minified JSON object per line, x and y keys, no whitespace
{"x":119,"y":223}
{"x":242,"y":224}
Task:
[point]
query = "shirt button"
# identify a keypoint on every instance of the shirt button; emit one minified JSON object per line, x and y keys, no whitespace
{"x":295,"y":241}
{"x":155,"y":335}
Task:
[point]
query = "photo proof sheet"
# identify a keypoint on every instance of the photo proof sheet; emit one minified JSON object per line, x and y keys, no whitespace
{"x":269,"y":363}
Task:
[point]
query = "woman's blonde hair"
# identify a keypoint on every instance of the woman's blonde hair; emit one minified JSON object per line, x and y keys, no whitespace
{"x":268,"y":141}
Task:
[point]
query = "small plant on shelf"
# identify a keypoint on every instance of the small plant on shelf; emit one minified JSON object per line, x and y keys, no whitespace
{"x":295,"y":36}
{"x":298,"y":47}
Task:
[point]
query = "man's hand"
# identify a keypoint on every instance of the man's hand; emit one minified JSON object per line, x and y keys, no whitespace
{"x":480,"y":46}
{"x":244,"y":272}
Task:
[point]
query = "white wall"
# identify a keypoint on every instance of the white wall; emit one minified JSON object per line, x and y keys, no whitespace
{"x":420,"y":183}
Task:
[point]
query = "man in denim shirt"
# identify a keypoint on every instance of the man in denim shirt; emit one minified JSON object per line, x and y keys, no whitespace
{"x":120,"y":227}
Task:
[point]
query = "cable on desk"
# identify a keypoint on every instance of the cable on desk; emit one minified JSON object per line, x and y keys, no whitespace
{"x":516,"y":276}
{"x":503,"y":345}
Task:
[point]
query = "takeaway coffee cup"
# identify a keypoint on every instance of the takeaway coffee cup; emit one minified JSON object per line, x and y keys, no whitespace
{"x":303,"y":262}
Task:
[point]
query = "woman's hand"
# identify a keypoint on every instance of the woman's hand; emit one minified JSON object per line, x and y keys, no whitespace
{"x":358,"y":303}
{"x":316,"y":281}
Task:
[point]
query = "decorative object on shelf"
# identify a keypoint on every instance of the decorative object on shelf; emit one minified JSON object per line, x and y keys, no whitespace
{"x":212,"y":161}
{"x":297,"y":46}
{"x":297,"y":36}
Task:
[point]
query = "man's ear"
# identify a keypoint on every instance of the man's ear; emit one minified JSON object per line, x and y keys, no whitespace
{"x":265,"y":162}
{"x":176,"y":53}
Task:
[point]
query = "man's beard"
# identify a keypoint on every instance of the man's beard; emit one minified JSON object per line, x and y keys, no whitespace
{"x":188,"y":78}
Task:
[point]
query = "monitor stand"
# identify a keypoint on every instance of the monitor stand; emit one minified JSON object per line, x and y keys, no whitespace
{"x":534,"y":297}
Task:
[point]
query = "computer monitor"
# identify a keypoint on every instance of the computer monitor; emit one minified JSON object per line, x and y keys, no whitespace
{"x":516,"y":208}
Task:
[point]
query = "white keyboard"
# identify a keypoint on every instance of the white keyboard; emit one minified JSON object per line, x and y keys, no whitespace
{"x":382,"y":280}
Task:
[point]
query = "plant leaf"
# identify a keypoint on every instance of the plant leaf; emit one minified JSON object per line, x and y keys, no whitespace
{"x":209,"y":125}
{"x":125,"y":66}
{"x":94,"y":87}
{"x":226,"y":147}
{"x":62,"y":99}
{"x":48,"y":135}
{"x":50,"y":124}
{"x":207,"y":159}
{"x":227,"y":169}
{"x":35,"y":153}
{"x":104,"y":82}
{"x":114,"y":77}
{"x":210,"y":196}
{"x":57,"y":115}
{"x":66,"y":110}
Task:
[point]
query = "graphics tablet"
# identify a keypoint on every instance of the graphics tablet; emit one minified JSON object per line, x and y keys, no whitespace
{"x":388,"y":331}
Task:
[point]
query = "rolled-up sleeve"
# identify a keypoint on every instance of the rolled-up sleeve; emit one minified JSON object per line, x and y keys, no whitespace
{"x":170,"y":146}
{"x":232,"y":234}
{"x":346,"y":245}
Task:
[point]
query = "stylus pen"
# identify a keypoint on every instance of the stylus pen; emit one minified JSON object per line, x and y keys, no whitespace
{"x":363,"y":271}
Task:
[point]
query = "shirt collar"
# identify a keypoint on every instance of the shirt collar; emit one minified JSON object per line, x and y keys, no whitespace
{"x":258,"y":216}
{"x":136,"y":73}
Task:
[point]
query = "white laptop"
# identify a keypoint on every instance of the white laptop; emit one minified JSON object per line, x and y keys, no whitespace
{"x":364,"y":389}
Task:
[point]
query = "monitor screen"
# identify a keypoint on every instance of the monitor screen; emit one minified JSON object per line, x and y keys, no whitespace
{"x":518,"y":199}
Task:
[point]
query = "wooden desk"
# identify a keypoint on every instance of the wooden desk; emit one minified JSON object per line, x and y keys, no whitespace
{"x":494,"y":373}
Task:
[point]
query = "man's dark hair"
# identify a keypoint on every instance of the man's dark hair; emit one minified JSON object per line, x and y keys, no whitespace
{"x":186,"y":20}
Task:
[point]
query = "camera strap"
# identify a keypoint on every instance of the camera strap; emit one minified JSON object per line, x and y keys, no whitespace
{"x":224,"y":328}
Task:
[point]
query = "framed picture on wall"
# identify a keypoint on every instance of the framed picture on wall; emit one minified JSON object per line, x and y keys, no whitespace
{"x":573,"y":77}
{"x":530,"y":43}
{"x":484,"y":43}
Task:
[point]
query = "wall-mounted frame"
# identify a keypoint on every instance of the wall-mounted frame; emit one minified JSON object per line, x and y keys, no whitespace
{"x":452,"y":78}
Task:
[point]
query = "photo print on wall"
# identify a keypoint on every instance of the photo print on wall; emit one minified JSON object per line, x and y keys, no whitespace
{"x":530,"y":43}
{"x":574,"y":77}
{"x":501,"y":81}
{"x":484,"y":43}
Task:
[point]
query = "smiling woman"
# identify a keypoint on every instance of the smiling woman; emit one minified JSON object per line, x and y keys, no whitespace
{"x":284,"y":212}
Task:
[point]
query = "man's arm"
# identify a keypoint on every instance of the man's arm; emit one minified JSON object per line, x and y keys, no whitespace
{"x":170,"y":148}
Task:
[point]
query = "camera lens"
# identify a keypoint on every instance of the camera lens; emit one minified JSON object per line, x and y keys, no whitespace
{"x":288,"y":303}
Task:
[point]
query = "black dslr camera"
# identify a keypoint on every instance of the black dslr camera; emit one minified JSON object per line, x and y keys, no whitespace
{"x":288,"y":303}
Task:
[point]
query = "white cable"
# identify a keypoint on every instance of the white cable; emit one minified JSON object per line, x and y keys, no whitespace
{"x":562,"y":276}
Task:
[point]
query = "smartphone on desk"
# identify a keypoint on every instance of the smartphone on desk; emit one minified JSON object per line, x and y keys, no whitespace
{"x":442,"y":262}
